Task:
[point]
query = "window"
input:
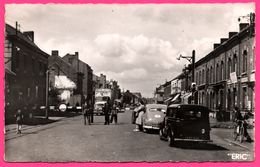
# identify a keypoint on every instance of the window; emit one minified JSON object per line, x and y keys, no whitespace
{"x":222,"y":71}
{"x":203,"y":75}
{"x":245,"y":98}
{"x":229,"y":69}
{"x":24,"y":62}
{"x":217,"y":73}
{"x":36,"y":91}
{"x":244,"y":61}
{"x":208,"y":76}
{"x":235,"y":63}
{"x":211,"y":75}
{"x":29,"y":92}
{"x":70,"y":60}
{"x":199,"y":77}
{"x":33,"y":65}
{"x":17,"y":59}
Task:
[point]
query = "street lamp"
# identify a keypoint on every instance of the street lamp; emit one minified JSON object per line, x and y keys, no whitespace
{"x":47,"y":93}
{"x":191,"y":59}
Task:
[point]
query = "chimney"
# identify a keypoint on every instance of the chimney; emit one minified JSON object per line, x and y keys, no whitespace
{"x":29,"y":35}
{"x":231,"y":34}
{"x":55,"y":53}
{"x":216,"y":45}
{"x":222,"y":40}
{"x":77,"y":55}
{"x":243,"y":26}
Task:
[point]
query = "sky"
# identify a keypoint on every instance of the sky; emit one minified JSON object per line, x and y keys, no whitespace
{"x":135,"y":44}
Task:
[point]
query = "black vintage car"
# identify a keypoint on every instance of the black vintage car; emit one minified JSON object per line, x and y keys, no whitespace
{"x":186,"y":122}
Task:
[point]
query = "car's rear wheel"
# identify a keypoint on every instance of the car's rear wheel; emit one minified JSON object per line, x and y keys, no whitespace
{"x":171,"y":138}
{"x":161,"y":135}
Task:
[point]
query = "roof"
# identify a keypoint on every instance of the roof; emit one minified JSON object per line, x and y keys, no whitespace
{"x":155,"y":105}
{"x":228,"y":41}
{"x":8,"y":71}
{"x":188,"y":106}
{"x":11,"y":31}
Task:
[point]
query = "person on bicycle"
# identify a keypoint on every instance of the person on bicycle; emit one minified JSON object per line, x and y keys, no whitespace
{"x":239,"y":119}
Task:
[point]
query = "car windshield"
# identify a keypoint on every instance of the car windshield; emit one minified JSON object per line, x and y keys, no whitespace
{"x":99,"y":105}
{"x":190,"y":114}
{"x":157,"y":109}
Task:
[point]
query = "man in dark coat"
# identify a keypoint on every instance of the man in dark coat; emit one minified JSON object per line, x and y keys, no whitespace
{"x":106,"y":112}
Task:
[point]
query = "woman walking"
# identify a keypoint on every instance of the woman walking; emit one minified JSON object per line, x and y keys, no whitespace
{"x":19,"y":121}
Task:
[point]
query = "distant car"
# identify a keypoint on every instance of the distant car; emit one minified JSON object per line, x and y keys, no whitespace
{"x":98,"y":108}
{"x":186,"y":122}
{"x":153,"y":116}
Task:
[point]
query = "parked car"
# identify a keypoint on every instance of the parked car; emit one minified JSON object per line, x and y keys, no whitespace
{"x":153,"y":116}
{"x":185,"y":122}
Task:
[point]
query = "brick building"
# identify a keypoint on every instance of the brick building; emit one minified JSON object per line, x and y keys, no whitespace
{"x":226,"y":76}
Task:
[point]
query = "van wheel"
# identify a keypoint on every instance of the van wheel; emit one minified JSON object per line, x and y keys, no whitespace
{"x":171,"y":138}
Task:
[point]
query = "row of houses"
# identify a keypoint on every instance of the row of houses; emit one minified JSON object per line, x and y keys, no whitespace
{"x":34,"y":78}
{"x":223,"y":79}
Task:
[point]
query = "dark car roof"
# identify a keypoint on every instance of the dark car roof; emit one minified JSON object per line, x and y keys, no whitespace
{"x":189,"y":106}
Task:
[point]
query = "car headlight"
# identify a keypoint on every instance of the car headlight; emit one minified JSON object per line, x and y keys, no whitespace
{"x":202,"y":131}
{"x":157,"y":116}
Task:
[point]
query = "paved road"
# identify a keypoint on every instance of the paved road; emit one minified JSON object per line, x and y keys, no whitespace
{"x":70,"y":140}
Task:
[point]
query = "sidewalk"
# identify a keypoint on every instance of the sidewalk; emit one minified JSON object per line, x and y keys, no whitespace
{"x":12,"y":127}
{"x":10,"y":130}
{"x":224,"y":130}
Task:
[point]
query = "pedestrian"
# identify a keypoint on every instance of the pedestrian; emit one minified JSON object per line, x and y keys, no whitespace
{"x":114,"y":114}
{"x":19,"y":120}
{"x":86,"y":114}
{"x":139,"y":114}
{"x":106,"y":112}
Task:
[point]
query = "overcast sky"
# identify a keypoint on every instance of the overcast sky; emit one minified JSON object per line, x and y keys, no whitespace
{"x":137,"y":45}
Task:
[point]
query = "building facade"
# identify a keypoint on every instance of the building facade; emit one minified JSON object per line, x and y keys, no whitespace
{"x":84,"y":76}
{"x":225,"y":78}
{"x":25,"y":71}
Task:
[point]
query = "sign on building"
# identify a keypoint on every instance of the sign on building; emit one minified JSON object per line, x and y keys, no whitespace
{"x":233,"y":77}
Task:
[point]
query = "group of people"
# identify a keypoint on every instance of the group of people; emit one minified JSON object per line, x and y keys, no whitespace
{"x":113,"y":110}
{"x":109,"y":118}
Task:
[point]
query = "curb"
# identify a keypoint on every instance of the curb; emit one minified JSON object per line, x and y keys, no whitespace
{"x":238,"y":144}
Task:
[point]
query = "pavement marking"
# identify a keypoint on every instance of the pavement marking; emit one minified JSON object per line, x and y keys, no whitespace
{"x":236,"y":143}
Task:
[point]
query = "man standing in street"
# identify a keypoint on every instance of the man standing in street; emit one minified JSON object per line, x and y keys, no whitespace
{"x":86,"y":113}
{"x":114,"y":114}
{"x":106,"y":112}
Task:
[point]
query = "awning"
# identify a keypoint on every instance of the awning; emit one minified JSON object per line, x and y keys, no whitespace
{"x":187,"y":95}
{"x":8,"y":71}
{"x":63,"y":82}
{"x":168,"y":99}
{"x":175,"y":98}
